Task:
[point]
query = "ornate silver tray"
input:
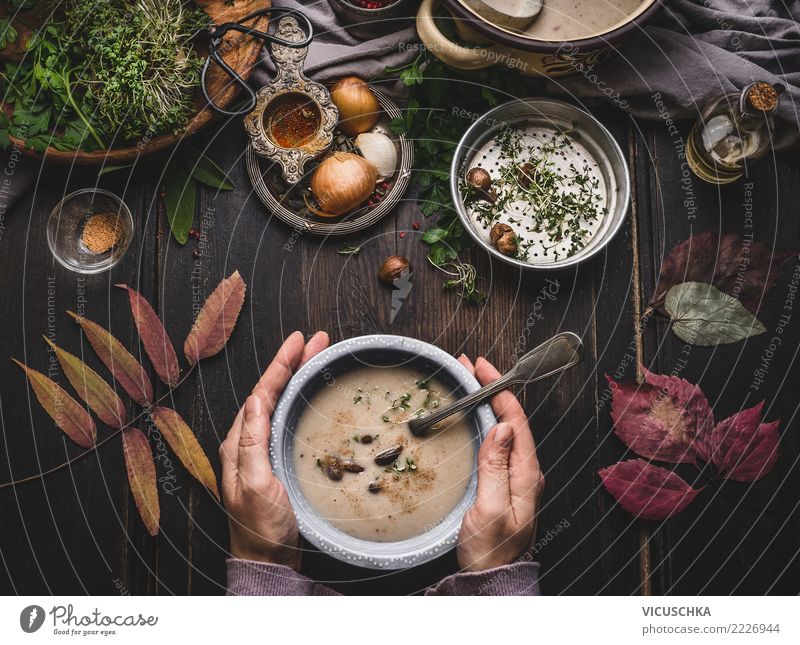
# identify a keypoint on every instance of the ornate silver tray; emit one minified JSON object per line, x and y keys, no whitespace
{"x":286,"y":199}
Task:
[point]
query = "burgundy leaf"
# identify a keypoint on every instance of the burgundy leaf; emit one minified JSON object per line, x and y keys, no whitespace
{"x":647,"y":491}
{"x":154,"y":338}
{"x":216,"y":320}
{"x":742,"y":448}
{"x":743,"y":269}
{"x":661,"y":418}
{"x":697,"y":411}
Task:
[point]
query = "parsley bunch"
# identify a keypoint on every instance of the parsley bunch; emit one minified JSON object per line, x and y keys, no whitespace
{"x":443,"y":103}
{"x":101,"y":73}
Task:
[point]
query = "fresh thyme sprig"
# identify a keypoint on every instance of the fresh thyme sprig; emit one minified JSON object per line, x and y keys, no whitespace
{"x":443,"y":103}
{"x":560,"y":202}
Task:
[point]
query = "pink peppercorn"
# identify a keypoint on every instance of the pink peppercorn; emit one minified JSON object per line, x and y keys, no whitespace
{"x":402,"y":235}
{"x":373,"y":4}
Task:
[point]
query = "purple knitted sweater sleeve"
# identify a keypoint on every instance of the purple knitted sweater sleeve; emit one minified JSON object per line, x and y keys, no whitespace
{"x":248,"y":578}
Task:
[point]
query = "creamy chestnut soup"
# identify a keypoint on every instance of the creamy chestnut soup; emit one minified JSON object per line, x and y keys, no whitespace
{"x":361,"y":468}
{"x":560,"y":19}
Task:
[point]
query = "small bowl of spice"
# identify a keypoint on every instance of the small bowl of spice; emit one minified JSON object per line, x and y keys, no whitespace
{"x":89,"y":231}
{"x":363,"y":12}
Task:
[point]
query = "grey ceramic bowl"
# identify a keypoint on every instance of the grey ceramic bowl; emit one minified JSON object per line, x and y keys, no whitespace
{"x":321,"y":371}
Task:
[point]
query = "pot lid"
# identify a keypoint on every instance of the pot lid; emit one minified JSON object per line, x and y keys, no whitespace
{"x":549,"y":20}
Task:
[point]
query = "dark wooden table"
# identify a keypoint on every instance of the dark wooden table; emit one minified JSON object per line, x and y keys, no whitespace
{"x":77,"y":531}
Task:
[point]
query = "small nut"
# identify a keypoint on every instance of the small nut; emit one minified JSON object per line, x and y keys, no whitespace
{"x":524,"y":175}
{"x":479,"y":178}
{"x":366,"y":439}
{"x":375,"y":487}
{"x":393,"y":268}
{"x":388,"y":456}
{"x":504,"y":238}
{"x":351,"y":466}
{"x":332,"y":467}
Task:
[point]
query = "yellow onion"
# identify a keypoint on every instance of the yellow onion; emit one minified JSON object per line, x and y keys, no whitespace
{"x":358,"y":107}
{"x":342,"y":182}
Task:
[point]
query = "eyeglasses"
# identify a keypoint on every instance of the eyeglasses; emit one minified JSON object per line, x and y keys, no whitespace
{"x":217,"y":34}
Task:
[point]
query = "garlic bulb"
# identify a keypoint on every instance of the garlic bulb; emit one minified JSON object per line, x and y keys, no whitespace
{"x":379,"y":150}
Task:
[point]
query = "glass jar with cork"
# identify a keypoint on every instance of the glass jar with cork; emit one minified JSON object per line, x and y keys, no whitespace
{"x":733,"y":131}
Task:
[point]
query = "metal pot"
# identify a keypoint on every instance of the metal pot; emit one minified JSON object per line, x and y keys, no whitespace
{"x":503,"y":39}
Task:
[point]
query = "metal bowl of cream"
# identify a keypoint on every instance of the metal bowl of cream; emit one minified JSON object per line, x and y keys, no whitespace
{"x":592,"y":147}
{"x":382,"y":350}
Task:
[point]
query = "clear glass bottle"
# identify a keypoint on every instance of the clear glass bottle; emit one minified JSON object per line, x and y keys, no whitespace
{"x":733,"y":131}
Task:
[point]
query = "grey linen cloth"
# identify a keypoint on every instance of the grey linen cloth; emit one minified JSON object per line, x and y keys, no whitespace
{"x":698,"y":49}
{"x":342,"y":48}
{"x":248,"y":578}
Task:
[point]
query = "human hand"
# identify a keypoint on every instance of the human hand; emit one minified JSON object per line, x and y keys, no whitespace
{"x":501,"y":524}
{"x":262,"y":524}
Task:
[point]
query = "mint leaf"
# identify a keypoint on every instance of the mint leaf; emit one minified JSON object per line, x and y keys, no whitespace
{"x":179,"y":200}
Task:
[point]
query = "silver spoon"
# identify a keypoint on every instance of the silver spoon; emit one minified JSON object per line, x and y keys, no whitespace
{"x":553,"y":356}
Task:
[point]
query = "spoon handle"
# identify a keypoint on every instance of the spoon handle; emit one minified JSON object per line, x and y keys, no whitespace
{"x":555,"y":355}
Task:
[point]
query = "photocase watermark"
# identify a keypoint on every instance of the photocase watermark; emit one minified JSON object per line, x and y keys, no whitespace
{"x":196,"y":277}
{"x":31,"y":618}
{"x":571,"y":55}
{"x":679,"y":145}
{"x":547,"y":293}
{"x":529,"y":555}
{"x":67,"y":622}
{"x":161,"y":455}
{"x":14,"y":157}
{"x":760,"y":373}
{"x":492,"y":56}
{"x":121,"y":587}
{"x":401,"y":288}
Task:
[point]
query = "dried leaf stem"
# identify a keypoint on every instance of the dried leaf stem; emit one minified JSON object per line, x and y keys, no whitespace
{"x":114,"y":433}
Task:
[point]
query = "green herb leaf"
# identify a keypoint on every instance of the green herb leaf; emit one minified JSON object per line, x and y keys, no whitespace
{"x":179,"y":201}
{"x":703,"y":315}
{"x":205,"y":170}
{"x":433,"y":235}
{"x":7,"y":33}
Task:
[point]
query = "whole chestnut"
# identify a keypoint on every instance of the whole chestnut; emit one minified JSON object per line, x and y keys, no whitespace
{"x":393,"y":268}
{"x":479,"y":178}
{"x":504,"y":239}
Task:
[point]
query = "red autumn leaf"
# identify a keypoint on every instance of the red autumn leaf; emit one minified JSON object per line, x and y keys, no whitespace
{"x":119,"y":361}
{"x":154,"y":337}
{"x":743,"y":269}
{"x":68,"y":414}
{"x":142,"y":476}
{"x":647,"y":491}
{"x":216,"y":320}
{"x":660,"y":419}
{"x":182,"y":440}
{"x":91,"y":387}
{"x":741,"y":447}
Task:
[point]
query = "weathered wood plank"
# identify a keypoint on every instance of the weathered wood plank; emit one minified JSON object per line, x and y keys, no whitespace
{"x":735,"y":538}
